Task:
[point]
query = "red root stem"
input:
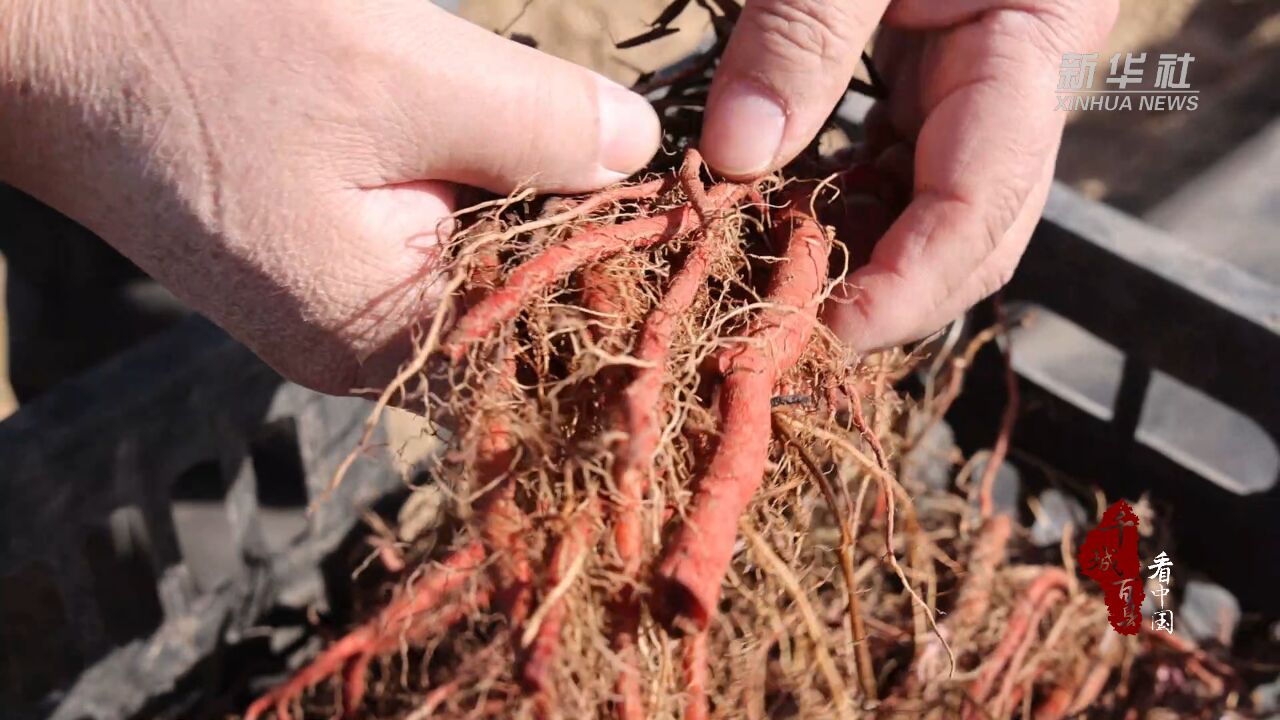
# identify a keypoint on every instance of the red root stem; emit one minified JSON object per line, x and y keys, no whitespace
{"x":501,"y":524}
{"x":989,"y":553}
{"x":696,"y":674}
{"x":556,"y":262}
{"x":690,"y":575}
{"x":542,"y":651}
{"x":350,"y":655}
{"x":1007,"y":420}
{"x":1057,"y":702}
{"x":642,"y":414}
{"x":642,"y":399}
{"x":573,"y":210}
{"x":1039,"y":597}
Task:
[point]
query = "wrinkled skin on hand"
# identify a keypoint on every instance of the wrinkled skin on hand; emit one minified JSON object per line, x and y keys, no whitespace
{"x":284,"y":166}
{"x":970,"y":127}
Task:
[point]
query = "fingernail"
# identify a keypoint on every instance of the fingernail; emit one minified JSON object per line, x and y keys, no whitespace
{"x":743,"y":131}
{"x":628,"y":129}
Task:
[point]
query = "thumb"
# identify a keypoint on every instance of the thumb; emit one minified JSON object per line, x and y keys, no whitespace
{"x":496,"y":114}
{"x":786,"y":66}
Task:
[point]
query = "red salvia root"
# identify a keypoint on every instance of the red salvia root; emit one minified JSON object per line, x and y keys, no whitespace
{"x":1041,"y":594}
{"x":573,"y":210}
{"x":1057,"y":702}
{"x":642,"y":414}
{"x":696,"y":676}
{"x":499,"y":518}
{"x":642,"y":398}
{"x":500,"y":521}
{"x":382,"y":633}
{"x":535,"y":585}
{"x":695,"y":562}
{"x":988,"y":555}
{"x":972,"y":604}
{"x":540,"y":642}
{"x":558,"y":261}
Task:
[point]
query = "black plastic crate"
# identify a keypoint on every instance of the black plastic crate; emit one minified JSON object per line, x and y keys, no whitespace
{"x":1159,"y":375}
{"x":152,"y":510}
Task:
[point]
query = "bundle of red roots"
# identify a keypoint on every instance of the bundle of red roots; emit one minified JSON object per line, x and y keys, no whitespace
{"x":662,"y":463}
{"x":627,"y":385}
{"x":677,"y":494}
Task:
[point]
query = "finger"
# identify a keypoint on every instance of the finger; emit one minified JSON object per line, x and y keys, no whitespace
{"x":874,"y":309}
{"x":396,"y":269}
{"x":975,"y":172}
{"x":898,"y":57}
{"x":786,"y":66}
{"x":1097,"y":16}
{"x":496,"y":114}
{"x":996,"y":271}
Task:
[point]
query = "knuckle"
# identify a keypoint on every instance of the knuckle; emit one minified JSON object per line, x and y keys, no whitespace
{"x":1056,"y":26}
{"x":1050,"y":34}
{"x":807,"y":30}
{"x":1001,"y":210}
{"x":1046,"y":30}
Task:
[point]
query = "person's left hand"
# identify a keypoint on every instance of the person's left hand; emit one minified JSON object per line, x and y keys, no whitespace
{"x":971,"y":114}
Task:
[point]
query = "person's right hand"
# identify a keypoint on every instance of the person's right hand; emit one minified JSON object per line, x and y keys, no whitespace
{"x":970,"y":121}
{"x":283,"y":166}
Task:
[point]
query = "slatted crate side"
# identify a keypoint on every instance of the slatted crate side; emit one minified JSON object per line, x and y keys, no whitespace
{"x":144,"y":520}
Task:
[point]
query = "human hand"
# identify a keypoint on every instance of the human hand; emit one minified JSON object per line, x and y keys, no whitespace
{"x":283,"y":167}
{"x":970,"y":123}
